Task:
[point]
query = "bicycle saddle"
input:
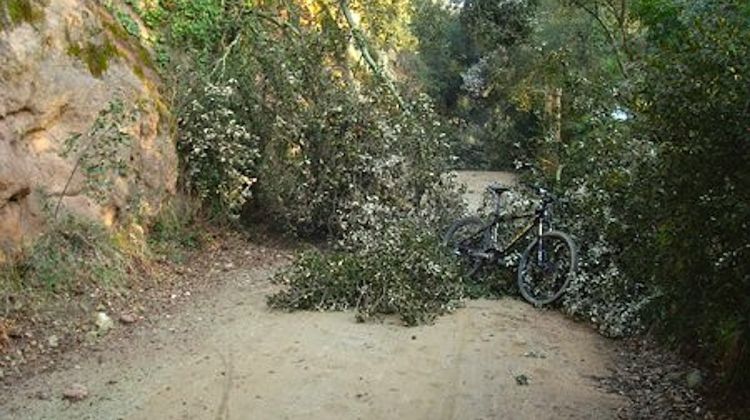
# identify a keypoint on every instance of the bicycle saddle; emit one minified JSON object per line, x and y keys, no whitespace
{"x":497,"y":188}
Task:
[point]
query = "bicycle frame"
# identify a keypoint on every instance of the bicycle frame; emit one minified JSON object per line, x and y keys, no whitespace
{"x":543,"y":274}
{"x":538,"y":219}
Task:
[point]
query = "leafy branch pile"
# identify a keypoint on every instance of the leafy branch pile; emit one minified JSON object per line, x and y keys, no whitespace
{"x":403,"y":272}
{"x":634,"y":110}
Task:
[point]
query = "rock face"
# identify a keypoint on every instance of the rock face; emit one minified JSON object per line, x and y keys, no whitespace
{"x":63,"y":65}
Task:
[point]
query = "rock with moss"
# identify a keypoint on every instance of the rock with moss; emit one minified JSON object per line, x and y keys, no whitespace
{"x":65,"y":63}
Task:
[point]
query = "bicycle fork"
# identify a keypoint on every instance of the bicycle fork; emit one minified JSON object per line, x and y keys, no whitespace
{"x":540,"y":248}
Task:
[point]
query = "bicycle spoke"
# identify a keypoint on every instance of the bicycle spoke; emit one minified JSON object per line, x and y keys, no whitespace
{"x":542,"y":281}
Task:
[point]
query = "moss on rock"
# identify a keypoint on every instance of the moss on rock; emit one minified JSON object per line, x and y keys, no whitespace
{"x":15,"y":12}
{"x":95,"y":56}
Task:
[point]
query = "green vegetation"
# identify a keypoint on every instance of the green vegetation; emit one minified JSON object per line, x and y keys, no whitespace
{"x":176,"y":232}
{"x":76,"y":255}
{"x":15,"y":12}
{"x":403,"y":272}
{"x":127,"y":22}
{"x":634,"y":111}
{"x":696,"y":93}
{"x":95,"y":56}
{"x":102,"y":152}
{"x":582,"y":92}
{"x":72,"y":252}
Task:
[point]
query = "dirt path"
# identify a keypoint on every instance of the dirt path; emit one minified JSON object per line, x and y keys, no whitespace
{"x":477,"y":181}
{"x":229,"y":357}
{"x":226,"y":356}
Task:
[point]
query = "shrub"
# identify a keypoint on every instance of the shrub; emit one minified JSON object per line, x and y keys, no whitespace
{"x":218,"y":148}
{"x":691,"y":211}
{"x":70,"y":253}
{"x":603,"y":293}
{"x":274,"y":126}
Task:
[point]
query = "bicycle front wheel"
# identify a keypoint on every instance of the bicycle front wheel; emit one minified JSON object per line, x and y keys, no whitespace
{"x":465,"y":238}
{"x":547,"y":267}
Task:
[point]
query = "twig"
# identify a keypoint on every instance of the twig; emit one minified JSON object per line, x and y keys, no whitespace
{"x":608,"y":34}
{"x":227,"y":51}
{"x":72,"y":174}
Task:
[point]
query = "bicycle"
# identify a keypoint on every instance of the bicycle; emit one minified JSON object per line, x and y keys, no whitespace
{"x":548,"y":263}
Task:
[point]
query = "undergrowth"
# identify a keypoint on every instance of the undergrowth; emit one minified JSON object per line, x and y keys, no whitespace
{"x":72,"y":251}
{"x":75,"y":255}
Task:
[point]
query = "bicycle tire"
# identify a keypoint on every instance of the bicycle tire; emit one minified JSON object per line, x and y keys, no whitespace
{"x":473,"y":226}
{"x":529,"y":291}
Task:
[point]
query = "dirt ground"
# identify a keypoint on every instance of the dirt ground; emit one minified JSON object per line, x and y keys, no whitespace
{"x":227,"y":356}
{"x":476,"y":182}
{"x":224,"y":355}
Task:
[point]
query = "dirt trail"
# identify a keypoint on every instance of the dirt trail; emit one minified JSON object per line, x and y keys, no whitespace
{"x":477,"y":181}
{"x":227,"y":356}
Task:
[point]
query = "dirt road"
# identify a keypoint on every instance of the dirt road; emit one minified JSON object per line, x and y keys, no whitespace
{"x":226,"y":356}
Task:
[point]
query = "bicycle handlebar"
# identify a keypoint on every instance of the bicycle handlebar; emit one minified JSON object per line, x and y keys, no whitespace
{"x":548,"y":198}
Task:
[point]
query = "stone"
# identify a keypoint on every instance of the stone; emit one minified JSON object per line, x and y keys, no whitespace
{"x":103,"y":323}
{"x":522,"y":380}
{"x":91,"y":337}
{"x":53,"y":341}
{"x":75,"y":393}
{"x":42,"y":396}
{"x":128,"y":319}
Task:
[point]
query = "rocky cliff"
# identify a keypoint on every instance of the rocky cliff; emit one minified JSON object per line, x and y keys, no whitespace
{"x":83,"y":128}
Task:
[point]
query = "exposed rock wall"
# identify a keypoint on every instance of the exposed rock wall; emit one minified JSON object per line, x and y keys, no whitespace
{"x":62,"y":62}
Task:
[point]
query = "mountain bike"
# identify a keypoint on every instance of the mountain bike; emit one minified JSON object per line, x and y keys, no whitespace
{"x":547,"y":264}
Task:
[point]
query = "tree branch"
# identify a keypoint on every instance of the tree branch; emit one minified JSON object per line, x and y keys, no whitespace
{"x":608,"y":33}
{"x":362,"y":45}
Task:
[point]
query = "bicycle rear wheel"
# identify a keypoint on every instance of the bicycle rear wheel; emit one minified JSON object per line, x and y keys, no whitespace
{"x":465,"y":238}
{"x":547,"y":267}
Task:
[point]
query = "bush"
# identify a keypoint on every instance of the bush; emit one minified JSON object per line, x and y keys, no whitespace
{"x":72,"y":252}
{"x":178,"y":229}
{"x":218,"y":148}
{"x":692,"y":210}
{"x":274,"y":128}
{"x":603,"y":293}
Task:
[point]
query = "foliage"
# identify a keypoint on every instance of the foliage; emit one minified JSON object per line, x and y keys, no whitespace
{"x":218,"y":148}
{"x":75,"y":254}
{"x":445,"y":49}
{"x":101,"y":152}
{"x":650,"y":159}
{"x":495,"y":23}
{"x":177,"y":230}
{"x":634,"y":111}
{"x":276,"y":117}
{"x":695,"y":109}
{"x":15,"y":12}
{"x":402,"y":272}
{"x":195,"y":24}
{"x":127,"y":22}
{"x":95,"y":56}
{"x":71,"y":252}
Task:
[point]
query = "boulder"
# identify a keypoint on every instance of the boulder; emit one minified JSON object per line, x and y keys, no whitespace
{"x":63,"y":66}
